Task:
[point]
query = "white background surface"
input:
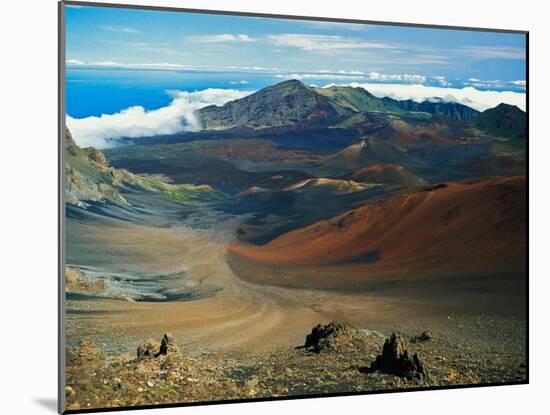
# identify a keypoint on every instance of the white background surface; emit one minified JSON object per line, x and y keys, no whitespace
{"x":28,"y":154}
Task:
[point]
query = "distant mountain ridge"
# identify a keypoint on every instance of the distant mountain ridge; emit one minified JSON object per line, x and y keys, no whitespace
{"x":503,"y":121}
{"x":452,"y":110}
{"x":291,"y":103}
{"x":361,"y":100}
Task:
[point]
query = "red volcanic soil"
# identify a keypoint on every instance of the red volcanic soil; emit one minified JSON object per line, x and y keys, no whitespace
{"x":475,"y":226}
{"x":387,"y":173}
{"x":500,"y":165}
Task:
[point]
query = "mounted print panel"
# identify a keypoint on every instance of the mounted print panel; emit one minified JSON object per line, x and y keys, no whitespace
{"x":269,"y":207}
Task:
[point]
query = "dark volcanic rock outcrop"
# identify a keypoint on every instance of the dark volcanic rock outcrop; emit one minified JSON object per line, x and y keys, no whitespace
{"x":168,"y":345}
{"x":336,"y":336}
{"x":322,"y":336}
{"x":395,"y":360}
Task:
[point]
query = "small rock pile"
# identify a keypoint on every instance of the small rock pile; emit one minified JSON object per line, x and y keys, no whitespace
{"x":395,"y":360}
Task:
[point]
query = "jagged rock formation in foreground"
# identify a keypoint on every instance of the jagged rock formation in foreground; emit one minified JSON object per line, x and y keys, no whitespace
{"x":395,"y":360}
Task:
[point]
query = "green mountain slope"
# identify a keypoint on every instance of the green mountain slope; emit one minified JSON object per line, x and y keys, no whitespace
{"x":359,"y":99}
{"x":283,"y":104}
{"x":89,"y":178}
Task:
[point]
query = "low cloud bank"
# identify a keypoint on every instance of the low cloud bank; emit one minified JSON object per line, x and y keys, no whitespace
{"x":470,"y":96}
{"x":136,"y":121}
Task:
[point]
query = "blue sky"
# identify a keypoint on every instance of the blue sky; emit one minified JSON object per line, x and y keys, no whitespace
{"x":315,"y":52}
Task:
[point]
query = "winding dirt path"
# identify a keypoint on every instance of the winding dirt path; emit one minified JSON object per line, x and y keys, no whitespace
{"x":241,"y":317}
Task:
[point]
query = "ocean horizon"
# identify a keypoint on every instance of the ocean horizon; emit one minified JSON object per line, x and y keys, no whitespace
{"x":93,"y":92}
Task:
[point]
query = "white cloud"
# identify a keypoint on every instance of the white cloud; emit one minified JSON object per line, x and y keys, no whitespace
{"x":105,"y":63}
{"x":355,"y":75}
{"x":479,"y":100}
{"x":223,"y":38}
{"x":306,"y":76}
{"x":380,"y":77}
{"x":488,"y":84}
{"x":241,"y":82}
{"x":113,"y":64}
{"x":119,"y":29}
{"x":495,"y":83}
{"x":492,"y":52}
{"x":281,"y":73}
{"x":324,"y":42}
{"x":136,"y":121}
{"x":75,"y":62}
{"x":441,"y":80}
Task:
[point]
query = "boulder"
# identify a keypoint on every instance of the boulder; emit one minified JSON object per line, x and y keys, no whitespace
{"x":96,"y":156}
{"x":395,"y":360}
{"x":332,"y":336}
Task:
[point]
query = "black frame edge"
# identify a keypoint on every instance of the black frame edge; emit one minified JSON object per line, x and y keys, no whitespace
{"x":527,"y":267}
{"x":290,"y":398}
{"x":290,"y":17}
{"x":61,"y":68}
